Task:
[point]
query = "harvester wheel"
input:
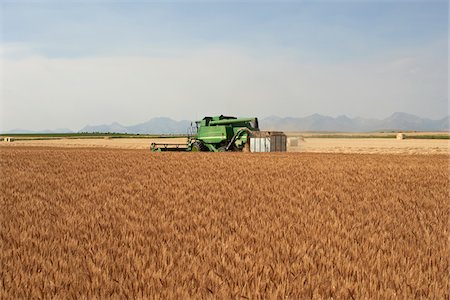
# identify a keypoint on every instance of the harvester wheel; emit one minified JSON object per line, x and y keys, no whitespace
{"x":197,"y":146}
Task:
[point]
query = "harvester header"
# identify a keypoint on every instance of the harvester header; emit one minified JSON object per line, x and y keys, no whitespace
{"x":224,"y":133}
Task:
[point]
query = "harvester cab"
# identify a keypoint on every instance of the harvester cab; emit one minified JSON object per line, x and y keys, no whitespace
{"x":216,"y":134}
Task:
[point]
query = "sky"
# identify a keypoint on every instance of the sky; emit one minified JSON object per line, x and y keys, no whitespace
{"x":66,"y":64}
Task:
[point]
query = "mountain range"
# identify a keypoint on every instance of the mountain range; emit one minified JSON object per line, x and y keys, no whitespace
{"x":27,"y":131}
{"x":153,"y":126}
{"x":396,"y":122}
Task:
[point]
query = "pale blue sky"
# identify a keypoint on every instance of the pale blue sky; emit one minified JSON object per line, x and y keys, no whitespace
{"x":78,"y":62}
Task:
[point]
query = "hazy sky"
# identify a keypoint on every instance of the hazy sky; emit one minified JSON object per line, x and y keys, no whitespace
{"x":73,"y":63}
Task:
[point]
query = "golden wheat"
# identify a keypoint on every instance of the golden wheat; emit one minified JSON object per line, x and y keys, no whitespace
{"x":126,"y":223}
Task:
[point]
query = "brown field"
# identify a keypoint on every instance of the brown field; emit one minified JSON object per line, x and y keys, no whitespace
{"x":102,"y":223}
{"x":122,"y":143}
{"x":307,"y":144}
{"x":372,"y":146}
{"x":411,"y":134}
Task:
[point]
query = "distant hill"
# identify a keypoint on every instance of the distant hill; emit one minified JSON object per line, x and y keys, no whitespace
{"x":153,"y":126}
{"x":396,"y":122}
{"x":58,"y":130}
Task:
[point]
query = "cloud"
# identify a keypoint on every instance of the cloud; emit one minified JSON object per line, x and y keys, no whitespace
{"x":40,"y":92}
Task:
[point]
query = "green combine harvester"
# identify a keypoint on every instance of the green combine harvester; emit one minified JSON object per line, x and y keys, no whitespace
{"x":215,"y":134}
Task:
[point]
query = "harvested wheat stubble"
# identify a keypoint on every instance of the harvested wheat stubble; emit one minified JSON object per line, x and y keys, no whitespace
{"x":126,"y":223}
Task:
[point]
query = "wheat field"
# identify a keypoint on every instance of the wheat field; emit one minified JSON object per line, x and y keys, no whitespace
{"x":106,"y":223}
{"x":307,"y":144}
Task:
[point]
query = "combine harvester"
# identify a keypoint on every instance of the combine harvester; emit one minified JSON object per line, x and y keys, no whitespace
{"x":221,"y":133}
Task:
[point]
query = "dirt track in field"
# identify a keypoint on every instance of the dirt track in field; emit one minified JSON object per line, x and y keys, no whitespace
{"x":102,"y":223}
{"x":319,"y":145}
{"x":372,"y":145}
